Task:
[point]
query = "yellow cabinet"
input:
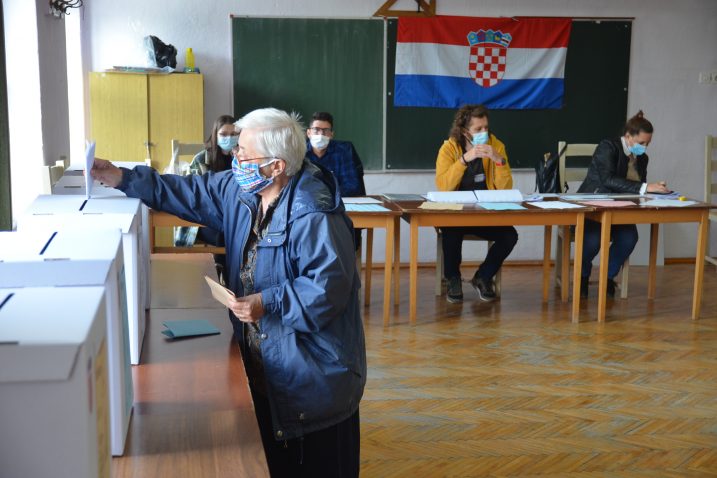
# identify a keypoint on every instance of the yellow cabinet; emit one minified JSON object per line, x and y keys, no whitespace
{"x":136,"y":116}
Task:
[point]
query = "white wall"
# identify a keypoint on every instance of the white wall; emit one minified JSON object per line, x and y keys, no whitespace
{"x":672,"y":43}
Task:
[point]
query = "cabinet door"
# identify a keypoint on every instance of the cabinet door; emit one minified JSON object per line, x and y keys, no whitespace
{"x":176,"y":111}
{"x":119,"y":120}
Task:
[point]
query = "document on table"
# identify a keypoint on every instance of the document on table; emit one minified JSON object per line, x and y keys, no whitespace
{"x":188,"y":328}
{"x":501,"y":206}
{"x":365,"y":208}
{"x":555,"y":205}
{"x":499,"y":195}
{"x":361,"y":200}
{"x":667,"y":203}
{"x":219,"y":292}
{"x":464,"y":197}
{"x":403,"y":197}
{"x":441,"y":205}
{"x":89,"y":162}
{"x":608,"y":203}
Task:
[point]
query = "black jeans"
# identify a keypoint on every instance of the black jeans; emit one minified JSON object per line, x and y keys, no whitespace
{"x":504,"y":239}
{"x":332,"y":452}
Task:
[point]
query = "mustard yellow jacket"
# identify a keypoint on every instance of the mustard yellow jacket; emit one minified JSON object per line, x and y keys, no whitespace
{"x":450,"y":169}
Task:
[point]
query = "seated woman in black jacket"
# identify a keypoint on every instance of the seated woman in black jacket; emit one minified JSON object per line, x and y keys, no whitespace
{"x":618,"y":166}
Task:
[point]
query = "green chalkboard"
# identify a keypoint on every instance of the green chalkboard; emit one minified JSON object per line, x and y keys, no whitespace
{"x":5,"y":203}
{"x":309,"y":65}
{"x":594,"y":108}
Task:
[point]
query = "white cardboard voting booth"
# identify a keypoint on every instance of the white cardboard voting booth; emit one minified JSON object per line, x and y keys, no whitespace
{"x":81,"y":258}
{"x":54,"y":413}
{"x":75,"y":213}
{"x":73,"y":183}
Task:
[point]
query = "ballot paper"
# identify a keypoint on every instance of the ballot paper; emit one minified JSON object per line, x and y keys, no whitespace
{"x":219,"y":292}
{"x":361,"y":200}
{"x":499,"y":195}
{"x":365,"y":208}
{"x":177,"y":329}
{"x":441,"y":205}
{"x":501,"y":206}
{"x":667,"y":203}
{"x":555,"y":205}
{"x":463,"y":197}
{"x":89,"y":162}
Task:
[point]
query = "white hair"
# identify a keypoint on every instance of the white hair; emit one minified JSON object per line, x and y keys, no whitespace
{"x":278,"y":135}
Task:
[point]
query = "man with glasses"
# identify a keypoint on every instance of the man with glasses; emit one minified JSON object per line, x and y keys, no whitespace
{"x":339,"y":157}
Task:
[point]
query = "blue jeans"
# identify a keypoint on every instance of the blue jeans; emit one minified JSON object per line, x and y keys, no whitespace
{"x":623,"y":237}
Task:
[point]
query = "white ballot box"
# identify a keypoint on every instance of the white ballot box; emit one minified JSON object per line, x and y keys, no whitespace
{"x":73,"y":183}
{"x":54,"y":411}
{"x":75,"y":213}
{"x":81,"y":258}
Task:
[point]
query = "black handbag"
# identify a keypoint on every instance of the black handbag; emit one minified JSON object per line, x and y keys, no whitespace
{"x":547,"y":173}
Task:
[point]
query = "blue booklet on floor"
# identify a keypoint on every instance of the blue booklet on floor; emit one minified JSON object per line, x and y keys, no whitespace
{"x":188,"y":328}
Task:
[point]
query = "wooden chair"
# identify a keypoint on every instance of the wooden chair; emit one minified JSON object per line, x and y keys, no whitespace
{"x":440,"y":280}
{"x":569,"y":174}
{"x":710,"y":185}
{"x":52,"y":174}
{"x":166,"y":220}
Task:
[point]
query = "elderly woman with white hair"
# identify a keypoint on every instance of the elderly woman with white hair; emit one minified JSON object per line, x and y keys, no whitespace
{"x":290,"y":255}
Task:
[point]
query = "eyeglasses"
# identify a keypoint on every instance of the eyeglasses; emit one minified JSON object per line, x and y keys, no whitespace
{"x":320,"y":130}
{"x":242,"y":160}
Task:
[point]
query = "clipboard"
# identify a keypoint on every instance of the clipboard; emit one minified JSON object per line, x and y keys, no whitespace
{"x":219,"y":292}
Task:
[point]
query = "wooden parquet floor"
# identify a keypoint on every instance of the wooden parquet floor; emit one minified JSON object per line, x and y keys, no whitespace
{"x":514,"y":389}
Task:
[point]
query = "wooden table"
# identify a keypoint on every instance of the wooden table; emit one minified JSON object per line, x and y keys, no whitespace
{"x":193,"y":414}
{"x":165,"y":219}
{"x":641,"y":213}
{"x":390,"y":221}
{"x":474,"y":215}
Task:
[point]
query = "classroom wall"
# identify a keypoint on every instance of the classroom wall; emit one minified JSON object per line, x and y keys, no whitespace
{"x":672,"y":43}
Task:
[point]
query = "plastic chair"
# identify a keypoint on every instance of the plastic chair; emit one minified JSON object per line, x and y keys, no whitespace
{"x":568,"y":174}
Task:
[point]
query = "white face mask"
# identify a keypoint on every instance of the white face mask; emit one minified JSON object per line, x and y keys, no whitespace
{"x":319,"y":141}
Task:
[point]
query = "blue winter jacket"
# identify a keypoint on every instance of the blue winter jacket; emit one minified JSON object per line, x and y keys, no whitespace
{"x":314,"y":349}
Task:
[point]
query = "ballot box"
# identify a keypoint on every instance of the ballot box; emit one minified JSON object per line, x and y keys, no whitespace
{"x":68,"y":212}
{"x":73,"y":182}
{"x":54,"y":409}
{"x":90,"y":257}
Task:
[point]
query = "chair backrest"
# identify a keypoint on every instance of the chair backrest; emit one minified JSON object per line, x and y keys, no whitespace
{"x":50,"y":176}
{"x":710,"y":167}
{"x":572,"y":150}
{"x":186,"y":149}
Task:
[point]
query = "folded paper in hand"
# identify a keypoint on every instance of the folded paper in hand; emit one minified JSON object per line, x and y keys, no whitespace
{"x":219,"y":292}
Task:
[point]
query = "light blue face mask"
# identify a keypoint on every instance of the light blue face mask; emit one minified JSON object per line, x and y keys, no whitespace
{"x":227,"y":143}
{"x":480,"y":138}
{"x":638,"y":149}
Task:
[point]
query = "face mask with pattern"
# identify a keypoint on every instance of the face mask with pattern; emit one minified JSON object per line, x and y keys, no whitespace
{"x":249,"y":176}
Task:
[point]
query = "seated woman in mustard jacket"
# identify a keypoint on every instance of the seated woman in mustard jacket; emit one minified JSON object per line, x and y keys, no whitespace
{"x":471,"y":159}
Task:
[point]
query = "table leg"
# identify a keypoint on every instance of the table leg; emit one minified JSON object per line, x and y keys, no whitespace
{"x":369,"y":267}
{"x":387,"y":268}
{"x":702,"y":238}
{"x":548,"y":236}
{"x":604,"y":255}
{"x":413,"y":273}
{"x":652,"y":269}
{"x":396,"y":258}
{"x":564,"y":273}
{"x":578,"y":266}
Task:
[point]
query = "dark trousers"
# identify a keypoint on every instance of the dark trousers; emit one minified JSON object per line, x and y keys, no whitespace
{"x":623,"y":237}
{"x":332,"y":452}
{"x":503,"y":237}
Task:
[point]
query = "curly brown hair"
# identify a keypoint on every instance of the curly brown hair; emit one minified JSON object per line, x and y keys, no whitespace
{"x":461,"y":120}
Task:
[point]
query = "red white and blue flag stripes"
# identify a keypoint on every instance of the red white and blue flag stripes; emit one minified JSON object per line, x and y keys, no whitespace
{"x":503,"y":63}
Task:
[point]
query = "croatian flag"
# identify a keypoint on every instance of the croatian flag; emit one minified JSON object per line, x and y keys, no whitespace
{"x":503,"y":63}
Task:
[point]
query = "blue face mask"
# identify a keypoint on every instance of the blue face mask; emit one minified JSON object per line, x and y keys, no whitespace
{"x":227,"y":143}
{"x":638,"y":149}
{"x":480,"y":138}
{"x":249,"y":176}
